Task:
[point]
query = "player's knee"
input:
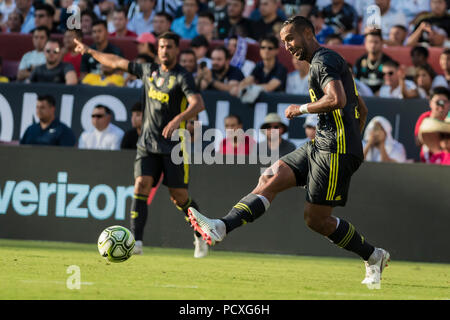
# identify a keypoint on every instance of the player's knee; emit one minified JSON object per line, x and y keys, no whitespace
{"x":314,"y":222}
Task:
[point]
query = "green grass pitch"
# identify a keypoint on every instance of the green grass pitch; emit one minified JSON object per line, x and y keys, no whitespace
{"x":38,"y":270}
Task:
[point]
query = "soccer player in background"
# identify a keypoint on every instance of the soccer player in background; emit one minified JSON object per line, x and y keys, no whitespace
{"x":324,"y":166}
{"x":171,"y":98}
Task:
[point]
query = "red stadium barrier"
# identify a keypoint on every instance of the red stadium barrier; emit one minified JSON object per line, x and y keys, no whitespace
{"x":13,"y":46}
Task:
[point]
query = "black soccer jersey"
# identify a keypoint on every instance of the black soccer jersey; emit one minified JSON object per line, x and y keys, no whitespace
{"x":165,"y":97}
{"x":337,"y":131}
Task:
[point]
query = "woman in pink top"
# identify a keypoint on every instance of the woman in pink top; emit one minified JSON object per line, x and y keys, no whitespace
{"x":435,"y":134}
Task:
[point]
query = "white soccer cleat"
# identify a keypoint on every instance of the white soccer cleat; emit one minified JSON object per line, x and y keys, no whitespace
{"x":212,"y":230}
{"x":374,"y":268}
{"x":138,"y":247}
{"x":201,"y":248}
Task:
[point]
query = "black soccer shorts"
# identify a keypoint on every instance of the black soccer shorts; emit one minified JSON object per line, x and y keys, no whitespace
{"x":153,"y":164}
{"x":325,"y":176}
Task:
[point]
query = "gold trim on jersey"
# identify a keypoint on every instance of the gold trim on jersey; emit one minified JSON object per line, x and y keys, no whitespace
{"x":340,"y":132}
{"x":333,"y":176}
{"x":183,"y":106}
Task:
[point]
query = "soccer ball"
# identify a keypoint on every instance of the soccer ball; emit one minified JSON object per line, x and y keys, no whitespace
{"x":116,"y":244}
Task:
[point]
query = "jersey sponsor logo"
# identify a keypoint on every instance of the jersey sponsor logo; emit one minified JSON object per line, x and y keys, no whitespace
{"x":158,"y":95}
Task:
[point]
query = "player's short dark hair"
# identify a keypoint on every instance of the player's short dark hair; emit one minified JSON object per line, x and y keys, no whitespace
{"x":169,"y":35}
{"x":46,"y":7}
{"x":146,"y":57}
{"x":300,"y":23}
{"x":137,"y":107}
{"x":188,"y":51}
{"x":375,"y":33}
{"x":270,"y":38}
{"x":199,"y":41}
{"x":42,"y":28}
{"x":421,"y":50}
{"x":100,"y":21}
{"x":47,"y":97}
{"x":107,"y":109}
{"x":78,"y":33}
{"x":224,"y":50}
{"x":232,"y":115}
{"x":165,"y":15}
{"x":391,"y":63}
{"x":440,"y":90}
{"x":207,"y":14}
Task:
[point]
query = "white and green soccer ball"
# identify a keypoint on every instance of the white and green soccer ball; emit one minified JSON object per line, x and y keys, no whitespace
{"x":116,"y":244}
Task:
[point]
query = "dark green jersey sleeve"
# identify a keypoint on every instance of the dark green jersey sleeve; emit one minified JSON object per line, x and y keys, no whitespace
{"x":139,"y":69}
{"x":188,"y":84}
{"x":328,"y":71}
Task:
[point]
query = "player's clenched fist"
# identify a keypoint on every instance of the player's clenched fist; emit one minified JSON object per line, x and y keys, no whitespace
{"x":292,"y":111}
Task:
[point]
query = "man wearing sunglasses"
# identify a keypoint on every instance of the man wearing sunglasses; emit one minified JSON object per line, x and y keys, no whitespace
{"x":395,"y":85}
{"x":275,"y":128}
{"x":323,"y":166}
{"x":54,"y":71}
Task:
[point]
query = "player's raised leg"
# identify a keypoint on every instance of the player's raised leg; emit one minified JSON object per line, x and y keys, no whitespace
{"x":139,"y":210}
{"x":277,"y":178}
{"x":181,"y":199}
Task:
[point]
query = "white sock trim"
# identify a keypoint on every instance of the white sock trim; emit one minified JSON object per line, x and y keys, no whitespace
{"x":265,"y":201}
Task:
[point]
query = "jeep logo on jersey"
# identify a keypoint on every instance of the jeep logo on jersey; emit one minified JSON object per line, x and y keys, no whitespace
{"x":158,"y":95}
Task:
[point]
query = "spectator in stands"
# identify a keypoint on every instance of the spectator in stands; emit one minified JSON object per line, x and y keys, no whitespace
{"x":186,"y":25}
{"x":6,"y":7}
{"x":36,"y":57}
{"x":26,"y":9}
{"x":274,"y":128}
{"x":234,"y":23}
{"x":169,"y":6}
{"x":145,"y":44}
{"x":310,"y":126}
{"x":68,"y":51}
{"x":297,"y":80}
{"x":131,"y":136}
{"x":104,"y":135}
{"x":435,"y":136}
{"x":368,"y":68}
{"x":200,"y":46}
{"x":218,"y":9}
{"x":378,"y":143}
{"x":397,"y":36}
{"x":87,"y":21}
{"x":14,"y":22}
{"x":269,"y":17}
{"x":237,"y":46}
{"x":444,"y":63}
{"x":205,"y":25}
{"x":101,"y":43}
{"x":107,"y":77}
{"x":269,"y":74}
{"x":432,"y":28}
{"x":427,"y":79}
{"x":334,"y":40}
{"x":322,"y":30}
{"x":49,"y":130}
{"x":3,"y":79}
{"x":54,"y":70}
{"x":236,"y":141}
{"x":161,"y":23}
{"x":389,"y":17}
{"x":419,"y":57}
{"x":131,"y":80}
{"x":362,"y":88}
{"x":342,"y":17}
{"x":120,"y":21}
{"x":143,"y":21}
{"x":105,"y":11}
{"x":255,"y":14}
{"x":439,"y":108}
{"x":188,"y":60}
{"x":222,"y":76}
{"x":43,"y":16}
{"x":395,"y":85}
{"x":411,"y":9}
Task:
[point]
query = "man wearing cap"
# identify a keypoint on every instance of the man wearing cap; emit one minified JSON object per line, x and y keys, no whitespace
{"x":145,"y":44}
{"x":310,"y":126}
{"x":120,"y":22}
{"x":435,"y":134}
{"x":275,"y":128}
{"x":440,"y":106}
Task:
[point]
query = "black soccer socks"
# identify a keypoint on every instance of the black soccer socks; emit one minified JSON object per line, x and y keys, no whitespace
{"x":346,"y":237}
{"x":246,"y":210}
{"x":184,"y":208}
{"x":139,"y":214}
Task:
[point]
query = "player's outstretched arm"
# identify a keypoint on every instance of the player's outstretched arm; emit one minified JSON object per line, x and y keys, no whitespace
{"x":107,"y":59}
{"x":334,"y":98}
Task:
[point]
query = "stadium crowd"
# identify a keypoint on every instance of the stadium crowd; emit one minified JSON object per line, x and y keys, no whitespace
{"x":416,"y":24}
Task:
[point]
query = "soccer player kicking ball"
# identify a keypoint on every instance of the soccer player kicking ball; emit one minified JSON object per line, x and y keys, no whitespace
{"x":324,"y":166}
{"x":171,"y":98}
